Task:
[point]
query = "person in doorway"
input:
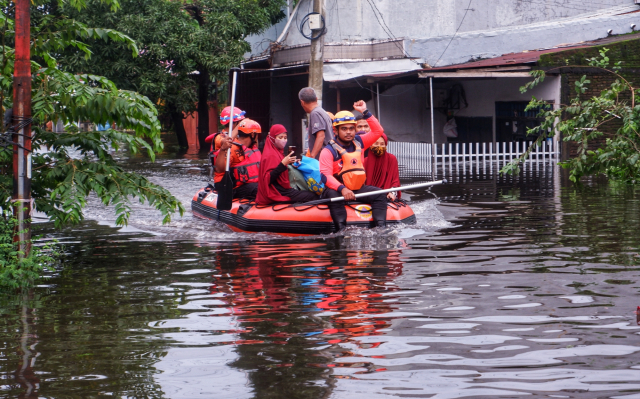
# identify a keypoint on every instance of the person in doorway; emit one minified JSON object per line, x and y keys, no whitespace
{"x":244,"y":164}
{"x":274,"y":183}
{"x":320,"y":132}
{"x":382,"y":168}
{"x":342,"y":167}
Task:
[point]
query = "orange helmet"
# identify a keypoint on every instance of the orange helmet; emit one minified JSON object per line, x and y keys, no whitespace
{"x":249,"y":126}
{"x":225,"y":115}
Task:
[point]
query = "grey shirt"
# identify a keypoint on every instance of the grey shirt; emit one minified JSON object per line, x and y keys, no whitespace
{"x":319,"y":120}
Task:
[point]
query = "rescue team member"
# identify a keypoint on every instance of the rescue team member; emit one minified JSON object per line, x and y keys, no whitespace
{"x":319,"y":133}
{"x":382,"y":168}
{"x":245,"y":159}
{"x":274,"y":183}
{"x":342,"y":167}
{"x":216,"y":138}
{"x":225,"y":116}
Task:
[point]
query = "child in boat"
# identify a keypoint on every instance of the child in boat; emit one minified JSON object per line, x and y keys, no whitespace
{"x":274,"y":185}
{"x":341,"y":165}
{"x":382,"y":168}
{"x":244,"y":164}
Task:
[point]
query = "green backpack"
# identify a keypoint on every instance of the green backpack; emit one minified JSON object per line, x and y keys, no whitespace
{"x":296,"y":179}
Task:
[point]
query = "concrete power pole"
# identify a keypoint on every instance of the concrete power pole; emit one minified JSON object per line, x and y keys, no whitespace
{"x":22,"y":124}
{"x":317,"y":50}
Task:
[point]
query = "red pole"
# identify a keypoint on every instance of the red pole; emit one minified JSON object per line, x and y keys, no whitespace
{"x":21,"y":113}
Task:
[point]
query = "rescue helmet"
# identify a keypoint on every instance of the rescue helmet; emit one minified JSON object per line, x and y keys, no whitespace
{"x":343,"y":118}
{"x":331,"y":115}
{"x":249,"y":126}
{"x":225,"y":115}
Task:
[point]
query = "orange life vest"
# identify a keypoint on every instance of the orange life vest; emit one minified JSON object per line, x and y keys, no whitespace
{"x":352,"y":173}
{"x":244,"y":165}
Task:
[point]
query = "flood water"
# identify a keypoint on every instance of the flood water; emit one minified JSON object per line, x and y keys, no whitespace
{"x":505,"y":288}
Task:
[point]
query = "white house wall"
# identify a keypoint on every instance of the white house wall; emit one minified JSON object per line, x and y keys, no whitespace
{"x":490,"y":28}
{"x":405,"y":115}
{"x":469,"y":46}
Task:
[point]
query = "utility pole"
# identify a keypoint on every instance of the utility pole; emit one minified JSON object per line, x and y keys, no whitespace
{"x":22,"y":124}
{"x":317,"y":50}
{"x":433,"y":141}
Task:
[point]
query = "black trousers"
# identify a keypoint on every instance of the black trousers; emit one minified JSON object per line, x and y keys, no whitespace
{"x":378,"y":204}
{"x":297,"y":196}
{"x":247,"y":190}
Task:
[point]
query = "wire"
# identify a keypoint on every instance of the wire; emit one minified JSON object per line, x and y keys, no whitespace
{"x":322,"y":30}
{"x":387,"y":30}
{"x":454,"y":35}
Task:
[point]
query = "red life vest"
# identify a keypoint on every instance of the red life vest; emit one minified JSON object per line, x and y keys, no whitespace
{"x":247,"y":171}
{"x":352,"y":173}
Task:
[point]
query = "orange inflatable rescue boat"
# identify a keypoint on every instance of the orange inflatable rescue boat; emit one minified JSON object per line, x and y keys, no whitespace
{"x":292,"y":219}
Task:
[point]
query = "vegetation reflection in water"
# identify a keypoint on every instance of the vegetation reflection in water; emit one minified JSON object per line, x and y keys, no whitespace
{"x":533,"y":292}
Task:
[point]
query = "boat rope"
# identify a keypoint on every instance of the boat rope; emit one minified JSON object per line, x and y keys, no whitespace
{"x":301,"y":207}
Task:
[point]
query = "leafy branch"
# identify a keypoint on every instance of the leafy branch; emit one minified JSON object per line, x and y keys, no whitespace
{"x":584,"y":120}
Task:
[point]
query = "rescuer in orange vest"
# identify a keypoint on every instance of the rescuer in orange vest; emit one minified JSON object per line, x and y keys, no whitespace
{"x":216,"y":138}
{"x":245,"y":159}
{"x":342,"y":166}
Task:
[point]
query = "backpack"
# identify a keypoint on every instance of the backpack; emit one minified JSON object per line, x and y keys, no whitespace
{"x":310,"y":169}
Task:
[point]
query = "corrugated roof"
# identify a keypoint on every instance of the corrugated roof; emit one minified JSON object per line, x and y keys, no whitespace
{"x":512,"y":59}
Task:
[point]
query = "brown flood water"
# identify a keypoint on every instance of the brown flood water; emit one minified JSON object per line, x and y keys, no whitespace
{"x":506,"y":288}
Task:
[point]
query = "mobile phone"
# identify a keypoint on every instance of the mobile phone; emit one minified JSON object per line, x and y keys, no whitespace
{"x":292,"y":148}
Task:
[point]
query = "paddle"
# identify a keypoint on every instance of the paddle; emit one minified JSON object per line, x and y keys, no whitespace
{"x":388,"y":190}
{"x":225,"y":186}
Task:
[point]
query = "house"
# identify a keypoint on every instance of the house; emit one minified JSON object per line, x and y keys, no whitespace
{"x":474,"y":56}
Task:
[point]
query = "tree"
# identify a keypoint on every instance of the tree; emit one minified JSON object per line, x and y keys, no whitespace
{"x":585,"y":120}
{"x":184,"y":47}
{"x":61,"y":181}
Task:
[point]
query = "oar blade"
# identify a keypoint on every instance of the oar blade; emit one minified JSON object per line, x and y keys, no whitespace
{"x":225,"y":192}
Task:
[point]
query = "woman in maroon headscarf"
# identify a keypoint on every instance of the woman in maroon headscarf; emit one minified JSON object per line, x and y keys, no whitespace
{"x":382,"y":168}
{"x":274,"y":178}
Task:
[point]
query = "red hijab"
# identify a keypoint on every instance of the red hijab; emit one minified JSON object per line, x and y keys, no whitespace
{"x":271,"y":157}
{"x":382,"y":172}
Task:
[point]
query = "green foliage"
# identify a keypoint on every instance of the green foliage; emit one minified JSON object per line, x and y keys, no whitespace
{"x":70,"y":166}
{"x":179,"y":42}
{"x":583,"y":120}
{"x":17,"y":269}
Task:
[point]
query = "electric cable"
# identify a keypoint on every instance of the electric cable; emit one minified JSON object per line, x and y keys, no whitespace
{"x":311,"y":36}
{"x":6,"y":138}
{"x":387,"y":30}
{"x":454,"y":35}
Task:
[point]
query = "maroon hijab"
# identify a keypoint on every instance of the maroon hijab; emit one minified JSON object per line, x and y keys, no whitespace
{"x":271,"y":157}
{"x":382,"y":172}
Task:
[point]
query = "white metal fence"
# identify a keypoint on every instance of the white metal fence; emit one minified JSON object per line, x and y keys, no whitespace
{"x":415,"y":158}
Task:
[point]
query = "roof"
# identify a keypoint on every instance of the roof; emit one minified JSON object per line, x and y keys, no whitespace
{"x":507,"y":63}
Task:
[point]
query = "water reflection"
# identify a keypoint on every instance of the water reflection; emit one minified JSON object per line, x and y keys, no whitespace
{"x":281,"y":307}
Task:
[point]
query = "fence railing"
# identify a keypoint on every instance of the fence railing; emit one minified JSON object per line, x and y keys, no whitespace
{"x":415,"y":158}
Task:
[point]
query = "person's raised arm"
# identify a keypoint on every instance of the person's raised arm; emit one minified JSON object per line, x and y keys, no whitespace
{"x":376,"y":129}
{"x":318,"y":144}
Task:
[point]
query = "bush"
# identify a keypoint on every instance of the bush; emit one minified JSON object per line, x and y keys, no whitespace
{"x":16,"y":269}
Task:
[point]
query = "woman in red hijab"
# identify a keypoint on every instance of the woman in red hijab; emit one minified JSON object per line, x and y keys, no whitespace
{"x":382,"y":168}
{"x":274,"y":178}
